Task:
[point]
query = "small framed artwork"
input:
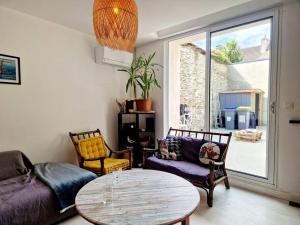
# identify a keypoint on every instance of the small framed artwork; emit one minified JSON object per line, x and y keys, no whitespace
{"x":10,"y":69}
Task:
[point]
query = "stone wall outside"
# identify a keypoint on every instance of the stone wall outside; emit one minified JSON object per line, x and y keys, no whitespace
{"x":192,"y":85}
{"x":224,"y":77}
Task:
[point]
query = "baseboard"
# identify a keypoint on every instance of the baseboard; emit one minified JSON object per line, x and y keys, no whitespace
{"x":268,"y":190}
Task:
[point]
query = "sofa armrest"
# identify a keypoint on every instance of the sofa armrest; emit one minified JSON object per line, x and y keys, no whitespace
{"x":212,"y":170}
{"x":146,"y":152}
{"x":150,"y":150}
{"x":217,"y":163}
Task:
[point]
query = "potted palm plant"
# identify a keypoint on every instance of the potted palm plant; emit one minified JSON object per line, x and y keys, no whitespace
{"x":133,"y":72}
{"x":142,"y":74}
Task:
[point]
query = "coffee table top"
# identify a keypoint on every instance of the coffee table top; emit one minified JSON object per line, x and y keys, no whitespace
{"x":141,"y":197}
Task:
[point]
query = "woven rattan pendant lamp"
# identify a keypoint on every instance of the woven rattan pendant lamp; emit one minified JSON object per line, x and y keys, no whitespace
{"x":116,"y":23}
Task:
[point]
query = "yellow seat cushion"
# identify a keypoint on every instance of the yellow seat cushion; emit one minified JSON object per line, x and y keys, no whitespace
{"x":110,"y":164}
{"x":92,"y":148}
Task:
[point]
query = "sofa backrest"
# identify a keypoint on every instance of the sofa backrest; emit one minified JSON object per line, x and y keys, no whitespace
{"x":191,"y":142}
{"x":13,"y":164}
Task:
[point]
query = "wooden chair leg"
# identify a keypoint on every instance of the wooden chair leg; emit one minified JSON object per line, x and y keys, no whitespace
{"x":210,"y":197}
{"x":226,"y":182}
{"x":186,"y":221}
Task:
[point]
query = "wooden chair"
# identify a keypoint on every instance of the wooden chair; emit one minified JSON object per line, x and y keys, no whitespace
{"x":92,"y":152}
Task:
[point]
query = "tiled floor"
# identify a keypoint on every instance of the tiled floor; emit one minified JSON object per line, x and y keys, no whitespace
{"x":235,"y":207}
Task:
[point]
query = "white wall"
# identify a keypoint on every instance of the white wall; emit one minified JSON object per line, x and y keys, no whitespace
{"x":250,"y":75}
{"x":288,"y":176}
{"x":157,"y":93}
{"x":62,"y":89}
{"x":289,"y":135}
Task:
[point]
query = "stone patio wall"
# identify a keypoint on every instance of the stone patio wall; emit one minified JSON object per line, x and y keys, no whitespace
{"x":192,"y":84}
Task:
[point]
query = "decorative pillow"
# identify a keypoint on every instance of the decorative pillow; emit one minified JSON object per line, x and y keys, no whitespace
{"x":209,"y":152}
{"x":174,"y":147}
{"x":163,"y":149}
{"x":190,"y":148}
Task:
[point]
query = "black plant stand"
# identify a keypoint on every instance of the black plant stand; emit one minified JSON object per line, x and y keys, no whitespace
{"x":136,"y":130}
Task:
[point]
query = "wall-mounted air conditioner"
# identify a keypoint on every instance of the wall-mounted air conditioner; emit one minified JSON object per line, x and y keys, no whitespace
{"x":112,"y":56}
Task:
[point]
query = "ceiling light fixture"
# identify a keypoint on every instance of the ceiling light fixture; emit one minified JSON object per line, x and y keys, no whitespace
{"x":116,"y":23}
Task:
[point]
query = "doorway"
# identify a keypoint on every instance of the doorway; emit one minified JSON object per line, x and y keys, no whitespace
{"x":223,"y":79}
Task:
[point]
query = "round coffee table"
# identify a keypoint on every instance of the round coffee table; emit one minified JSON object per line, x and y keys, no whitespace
{"x":141,"y":197}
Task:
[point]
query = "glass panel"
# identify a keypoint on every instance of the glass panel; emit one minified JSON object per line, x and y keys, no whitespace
{"x":187,"y":82}
{"x":239,"y":93}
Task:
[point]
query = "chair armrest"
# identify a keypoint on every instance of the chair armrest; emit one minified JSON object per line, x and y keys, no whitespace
{"x":121,"y":151}
{"x":98,"y":158}
{"x":213,"y":165}
{"x":125,"y":151}
{"x":146,"y":151}
{"x":212,"y":170}
{"x":101,"y":163}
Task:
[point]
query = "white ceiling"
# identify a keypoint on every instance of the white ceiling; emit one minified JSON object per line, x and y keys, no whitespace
{"x":154,"y":15}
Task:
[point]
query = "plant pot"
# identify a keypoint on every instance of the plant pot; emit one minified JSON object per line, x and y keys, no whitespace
{"x":144,"y":105}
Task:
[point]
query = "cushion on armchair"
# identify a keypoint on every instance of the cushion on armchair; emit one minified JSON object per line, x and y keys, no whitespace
{"x":92,"y":148}
{"x":110,"y":164}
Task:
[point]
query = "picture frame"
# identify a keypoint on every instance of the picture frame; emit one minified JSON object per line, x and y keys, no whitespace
{"x":10,"y":71}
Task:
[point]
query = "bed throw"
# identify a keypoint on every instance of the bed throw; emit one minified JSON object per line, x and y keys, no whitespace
{"x":64,"y":179}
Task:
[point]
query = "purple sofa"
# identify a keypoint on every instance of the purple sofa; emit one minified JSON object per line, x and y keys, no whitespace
{"x":24,"y":199}
{"x":189,"y":167}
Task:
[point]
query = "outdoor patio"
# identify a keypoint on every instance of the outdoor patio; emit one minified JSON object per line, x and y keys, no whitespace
{"x":246,"y":156}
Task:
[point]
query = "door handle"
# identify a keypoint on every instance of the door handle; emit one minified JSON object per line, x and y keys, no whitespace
{"x":273,"y":107}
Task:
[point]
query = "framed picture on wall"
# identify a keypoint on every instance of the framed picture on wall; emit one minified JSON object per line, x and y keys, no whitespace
{"x":10,"y":69}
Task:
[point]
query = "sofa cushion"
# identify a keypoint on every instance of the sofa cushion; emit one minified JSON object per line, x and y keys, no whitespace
{"x":163,"y":149}
{"x":190,"y":148}
{"x":174,"y":147}
{"x":209,"y":152}
{"x":222,"y":147}
{"x":13,"y":164}
{"x":184,"y":169}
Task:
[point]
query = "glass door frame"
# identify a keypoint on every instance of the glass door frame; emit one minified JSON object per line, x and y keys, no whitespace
{"x":272,"y":150}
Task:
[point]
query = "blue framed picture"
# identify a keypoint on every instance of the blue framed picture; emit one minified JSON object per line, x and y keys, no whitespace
{"x":10,"y":69}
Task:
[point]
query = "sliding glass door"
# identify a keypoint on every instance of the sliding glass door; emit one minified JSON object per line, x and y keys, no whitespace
{"x":223,"y":79}
{"x":239,"y":93}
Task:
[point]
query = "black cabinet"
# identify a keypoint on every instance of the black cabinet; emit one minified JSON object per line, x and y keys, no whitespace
{"x":136,"y":130}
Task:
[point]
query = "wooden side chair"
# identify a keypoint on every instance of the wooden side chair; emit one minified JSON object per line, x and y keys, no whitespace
{"x":95,"y":155}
